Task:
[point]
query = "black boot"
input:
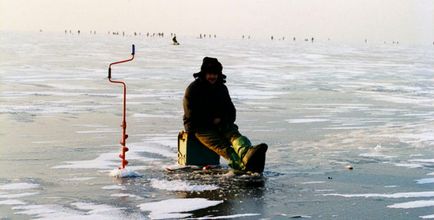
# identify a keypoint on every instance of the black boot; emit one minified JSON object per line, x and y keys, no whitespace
{"x":254,"y":159}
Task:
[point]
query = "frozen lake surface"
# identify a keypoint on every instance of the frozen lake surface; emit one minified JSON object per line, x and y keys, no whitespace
{"x":321,"y":107}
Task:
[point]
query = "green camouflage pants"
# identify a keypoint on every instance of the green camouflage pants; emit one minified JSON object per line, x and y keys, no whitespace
{"x":226,"y":142}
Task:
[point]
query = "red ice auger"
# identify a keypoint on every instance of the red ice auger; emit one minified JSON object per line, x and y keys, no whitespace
{"x":124,"y":148}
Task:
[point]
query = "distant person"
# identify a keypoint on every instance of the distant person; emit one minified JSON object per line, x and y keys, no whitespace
{"x":78,"y":32}
{"x":175,"y":42}
{"x":272,"y":38}
{"x":293,"y":39}
{"x":209,"y":114}
{"x":312,"y":39}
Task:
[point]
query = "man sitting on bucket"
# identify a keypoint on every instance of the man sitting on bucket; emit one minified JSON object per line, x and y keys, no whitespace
{"x":209,"y":114}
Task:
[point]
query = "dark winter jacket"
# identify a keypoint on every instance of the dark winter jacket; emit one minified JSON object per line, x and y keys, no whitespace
{"x":203,"y":102}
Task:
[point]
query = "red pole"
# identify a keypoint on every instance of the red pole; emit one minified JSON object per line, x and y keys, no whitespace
{"x":124,"y":148}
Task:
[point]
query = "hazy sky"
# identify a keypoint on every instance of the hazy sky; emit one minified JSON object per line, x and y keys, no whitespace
{"x":404,"y":20}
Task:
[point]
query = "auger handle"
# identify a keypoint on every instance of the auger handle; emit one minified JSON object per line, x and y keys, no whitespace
{"x":133,"y":51}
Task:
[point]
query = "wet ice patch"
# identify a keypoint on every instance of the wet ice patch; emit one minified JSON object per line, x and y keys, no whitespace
{"x":178,"y":185}
{"x":172,"y":208}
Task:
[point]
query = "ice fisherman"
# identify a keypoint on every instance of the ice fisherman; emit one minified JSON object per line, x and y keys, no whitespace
{"x":209,"y":114}
{"x":174,"y":41}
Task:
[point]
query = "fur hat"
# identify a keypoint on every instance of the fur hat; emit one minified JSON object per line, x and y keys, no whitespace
{"x":210,"y":65}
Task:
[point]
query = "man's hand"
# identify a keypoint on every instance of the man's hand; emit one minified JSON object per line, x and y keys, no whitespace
{"x":217,"y":121}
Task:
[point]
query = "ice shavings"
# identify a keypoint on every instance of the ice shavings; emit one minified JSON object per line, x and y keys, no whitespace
{"x":172,"y":208}
{"x":413,"y":204}
{"x":124,"y":173}
{"x":392,"y":195}
{"x":178,"y":185}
